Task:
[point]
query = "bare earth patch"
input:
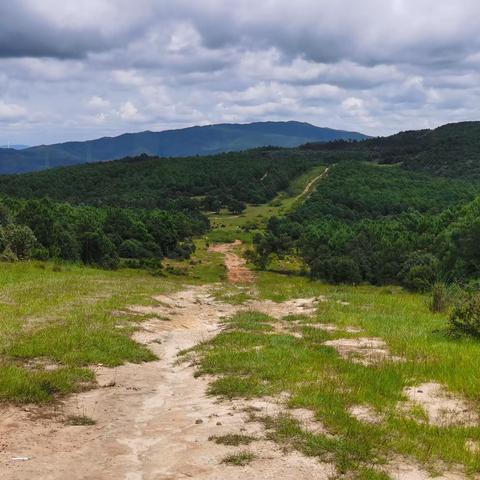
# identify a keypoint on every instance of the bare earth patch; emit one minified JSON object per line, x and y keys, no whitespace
{"x":441,"y":407}
{"x":237,"y":269}
{"x":298,"y":306}
{"x":403,"y":469}
{"x":307,"y":420}
{"x":365,"y":414}
{"x":364,"y":350}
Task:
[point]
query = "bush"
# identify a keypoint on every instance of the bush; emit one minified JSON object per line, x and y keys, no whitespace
{"x":465,"y":317}
{"x":235,"y":206}
{"x":8,"y":255}
{"x":337,"y":270}
{"x":439,"y":302}
{"x":40,"y":253}
{"x":97,"y":249}
{"x":420,"y":271}
{"x":133,"y":249}
{"x":19,"y":239}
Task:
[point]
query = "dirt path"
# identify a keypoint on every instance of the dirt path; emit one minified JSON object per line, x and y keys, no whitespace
{"x":154,"y":420}
{"x":237,"y":270}
{"x":307,"y":190}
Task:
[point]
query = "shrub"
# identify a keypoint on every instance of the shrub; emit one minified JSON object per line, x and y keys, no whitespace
{"x":19,"y":239}
{"x":337,"y":270}
{"x":465,"y":317}
{"x":97,"y":249}
{"x":133,"y":249}
{"x":420,"y":271}
{"x":40,"y":253}
{"x":8,"y":255}
{"x":439,"y":301}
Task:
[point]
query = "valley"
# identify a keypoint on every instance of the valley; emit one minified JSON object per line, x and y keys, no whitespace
{"x":239,"y":240}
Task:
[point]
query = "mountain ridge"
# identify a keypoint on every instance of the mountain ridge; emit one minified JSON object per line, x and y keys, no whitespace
{"x":190,"y":141}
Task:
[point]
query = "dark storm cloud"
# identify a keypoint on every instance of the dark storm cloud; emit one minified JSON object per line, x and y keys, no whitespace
{"x":26,"y":34}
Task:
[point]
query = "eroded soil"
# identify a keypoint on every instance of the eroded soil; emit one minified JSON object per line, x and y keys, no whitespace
{"x":237,"y":270}
{"x":441,"y":407}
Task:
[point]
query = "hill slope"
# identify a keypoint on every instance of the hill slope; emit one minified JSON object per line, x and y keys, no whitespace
{"x":191,"y":141}
{"x":452,"y":150}
{"x":255,"y":176}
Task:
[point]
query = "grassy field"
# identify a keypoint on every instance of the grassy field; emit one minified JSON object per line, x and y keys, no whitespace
{"x":63,"y":318}
{"x":253,"y":361}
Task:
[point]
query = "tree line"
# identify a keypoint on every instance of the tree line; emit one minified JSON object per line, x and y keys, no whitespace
{"x":204,"y":183}
{"x":43,"y":229}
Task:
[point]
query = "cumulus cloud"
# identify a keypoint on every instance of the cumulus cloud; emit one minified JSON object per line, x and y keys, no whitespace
{"x":98,"y":103}
{"x":129,"y":112}
{"x":11,"y":112}
{"x":70,"y":70}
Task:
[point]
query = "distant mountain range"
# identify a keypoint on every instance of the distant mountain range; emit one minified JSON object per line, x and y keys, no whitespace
{"x":184,"y":142}
{"x":15,"y":147}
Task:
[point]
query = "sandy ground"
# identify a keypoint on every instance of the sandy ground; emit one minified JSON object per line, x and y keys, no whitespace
{"x":441,"y":407}
{"x":364,"y":350}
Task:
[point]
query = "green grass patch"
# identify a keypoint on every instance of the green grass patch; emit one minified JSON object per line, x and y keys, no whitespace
{"x":251,"y":361}
{"x":66,"y":317}
{"x":239,"y":459}
{"x":20,"y":385}
{"x":251,"y":321}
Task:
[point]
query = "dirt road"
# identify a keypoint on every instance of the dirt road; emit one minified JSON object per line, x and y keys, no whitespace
{"x":308,"y":188}
{"x":237,"y":270}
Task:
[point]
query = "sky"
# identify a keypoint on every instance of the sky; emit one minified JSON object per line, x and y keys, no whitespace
{"x":73,"y":70}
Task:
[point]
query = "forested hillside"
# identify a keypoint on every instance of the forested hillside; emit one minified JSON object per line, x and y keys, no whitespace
{"x":226,"y":180}
{"x":452,"y":150}
{"x":137,"y":209}
{"x":382,"y":225}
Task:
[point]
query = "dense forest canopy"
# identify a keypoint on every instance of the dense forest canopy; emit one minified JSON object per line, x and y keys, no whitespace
{"x":43,"y":229}
{"x":137,"y":209}
{"x":382,"y":224}
{"x":255,"y":176}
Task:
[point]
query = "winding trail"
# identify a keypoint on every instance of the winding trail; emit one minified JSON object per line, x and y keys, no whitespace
{"x":309,"y":187}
